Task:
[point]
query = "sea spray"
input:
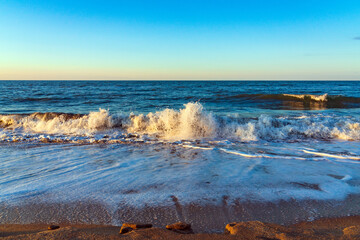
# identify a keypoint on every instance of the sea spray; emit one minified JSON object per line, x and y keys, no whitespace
{"x":189,"y":123}
{"x":59,"y":123}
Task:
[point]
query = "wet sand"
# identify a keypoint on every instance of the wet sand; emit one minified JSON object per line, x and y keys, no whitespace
{"x":209,"y":218}
{"x":327,"y":228}
{"x":307,"y":219}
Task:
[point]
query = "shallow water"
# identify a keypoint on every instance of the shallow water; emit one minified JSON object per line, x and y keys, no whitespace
{"x":198,"y":141}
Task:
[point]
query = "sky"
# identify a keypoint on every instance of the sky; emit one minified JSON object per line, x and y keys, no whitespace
{"x":179,"y":40}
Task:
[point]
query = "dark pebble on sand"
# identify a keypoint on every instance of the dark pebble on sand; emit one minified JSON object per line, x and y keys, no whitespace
{"x":124,"y":230}
{"x":53,"y":227}
{"x":128,"y":227}
{"x":180,"y":227}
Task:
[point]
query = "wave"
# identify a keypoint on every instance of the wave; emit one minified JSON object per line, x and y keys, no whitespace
{"x":318,"y":98}
{"x":41,"y":99}
{"x":189,"y":123}
{"x":300,"y":101}
{"x":297,"y":97}
{"x":58,"y":123}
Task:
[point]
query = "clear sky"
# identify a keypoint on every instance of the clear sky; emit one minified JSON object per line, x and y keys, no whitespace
{"x":212,"y":39}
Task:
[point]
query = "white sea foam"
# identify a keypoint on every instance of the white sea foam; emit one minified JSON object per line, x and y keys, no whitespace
{"x":139,"y":175}
{"x":193,"y":122}
{"x":332,"y":155}
{"x":241,"y":154}
{"x":197,"y":147}
{"x":189,"y":123}
{"x":59,"y":124}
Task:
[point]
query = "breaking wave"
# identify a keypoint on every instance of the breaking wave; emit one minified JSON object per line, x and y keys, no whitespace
{"x":318,"y":98}
{"x":189,"y":123}
{"x":298,"y":97}
{"x":298,"y":101}
{"x":58,"y":123}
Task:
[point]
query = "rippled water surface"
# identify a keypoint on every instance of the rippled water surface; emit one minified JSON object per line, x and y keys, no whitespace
{"x":144,"y":97}
{"x":132,"y":143}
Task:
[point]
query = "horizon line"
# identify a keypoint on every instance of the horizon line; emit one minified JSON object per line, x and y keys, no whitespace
{"x":183,"y":80}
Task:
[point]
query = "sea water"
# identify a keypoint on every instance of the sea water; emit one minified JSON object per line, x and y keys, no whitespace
{"x":138,"y":143}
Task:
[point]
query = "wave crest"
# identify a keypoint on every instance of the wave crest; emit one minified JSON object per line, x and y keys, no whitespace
{"x":319,"y":98}
{"x":189,"y":123}
{"x":59,"y":123}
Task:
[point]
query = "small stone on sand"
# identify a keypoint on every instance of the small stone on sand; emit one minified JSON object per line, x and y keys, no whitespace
{"x":256,"y":229}
{"x":53,"y":227}
{"x":180,"y":227}
{"x":137,"y":225}
{"x":124,"y":230}
{"x":128,"y":227}
{"x":353,"y":232}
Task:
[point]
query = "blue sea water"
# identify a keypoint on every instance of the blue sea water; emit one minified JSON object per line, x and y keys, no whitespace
{"x":133,"y":142}
{"x":149,"y":96}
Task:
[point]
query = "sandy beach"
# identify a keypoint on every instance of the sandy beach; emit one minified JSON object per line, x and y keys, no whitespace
{"x":239,"y":220}
{"x":209,"y":218}
{"x":326,"y":228}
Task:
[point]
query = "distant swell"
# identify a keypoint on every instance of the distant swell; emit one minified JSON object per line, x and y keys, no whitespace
{"x":304,"y":97}
{"x":297,"y":97}
{"x":44,"y":99}
{"x":189,"y":123}
{"x":309,"y":101}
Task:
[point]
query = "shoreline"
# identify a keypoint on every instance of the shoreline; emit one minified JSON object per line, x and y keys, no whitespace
{"x":325,"y":228}
{"x":205,"y":218}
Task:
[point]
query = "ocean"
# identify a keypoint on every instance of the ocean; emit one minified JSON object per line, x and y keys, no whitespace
{"x":136,"y":144}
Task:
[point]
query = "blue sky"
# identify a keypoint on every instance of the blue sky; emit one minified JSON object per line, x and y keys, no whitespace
{"x":180,"y":39}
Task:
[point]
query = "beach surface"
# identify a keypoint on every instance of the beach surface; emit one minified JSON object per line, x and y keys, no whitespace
{"x":326,"y":228}
{"x":208,"y":218}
